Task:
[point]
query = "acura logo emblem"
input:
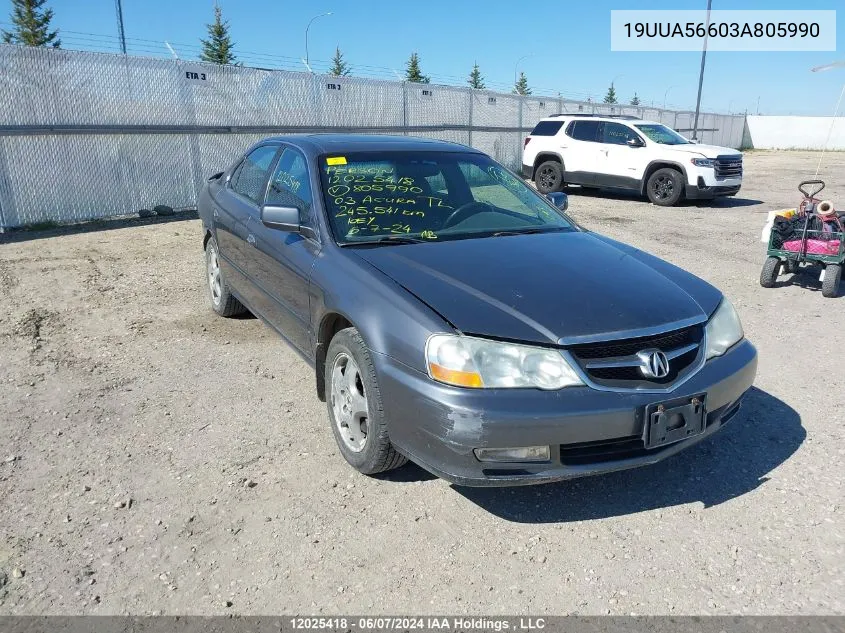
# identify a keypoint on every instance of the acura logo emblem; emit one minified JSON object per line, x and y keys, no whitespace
{"x":654,"y":363}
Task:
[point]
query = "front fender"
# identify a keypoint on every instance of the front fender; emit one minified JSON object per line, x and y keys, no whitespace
{"x":391,"y":320}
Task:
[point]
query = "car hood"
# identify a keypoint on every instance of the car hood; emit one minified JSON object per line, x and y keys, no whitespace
{"x":557,"y":287}
{"x":708,"y":151}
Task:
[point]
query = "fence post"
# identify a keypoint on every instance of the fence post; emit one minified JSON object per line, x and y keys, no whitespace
{"x":405,"y":107}
{"x":471,"y":99}
{"x":519,"y":133}
{"x":6,"y":208}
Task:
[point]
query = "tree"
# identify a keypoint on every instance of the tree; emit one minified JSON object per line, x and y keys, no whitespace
{"x":217,"y":49}
{"x":636,"y":100}
{"x":475,"y":80}
{"x":610,"y":97}
{"x":32,"y":25}
{"x":413,"y":72}
{"x":339,"y":66}
{"x":521,"y":85}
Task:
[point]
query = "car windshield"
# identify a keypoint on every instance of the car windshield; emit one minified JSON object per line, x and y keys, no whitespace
{"x":662,"y":134}
{"x":401,"y":197}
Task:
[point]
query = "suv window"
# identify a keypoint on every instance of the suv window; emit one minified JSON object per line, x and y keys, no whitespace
{"x":251,"y":175}
{"x":583,"y":130}
{"x":547,"y":128}
{"x":617,"y":134}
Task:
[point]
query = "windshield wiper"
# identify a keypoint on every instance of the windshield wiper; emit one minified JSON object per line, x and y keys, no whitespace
{"x":544,"y":229}
{"x":387,"y":239}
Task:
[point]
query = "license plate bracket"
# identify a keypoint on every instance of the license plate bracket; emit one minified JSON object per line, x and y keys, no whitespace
{"x":675,"y":420}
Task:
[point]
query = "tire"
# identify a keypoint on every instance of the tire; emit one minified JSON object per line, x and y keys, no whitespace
{"x":790,"y":266}
{"x":548,"y":177}
{"x":665,"y":187}
{"x":222,"y":300}
{"x":770,"y":272}
{"x":832,"y":277}
{"x":355,"y":407}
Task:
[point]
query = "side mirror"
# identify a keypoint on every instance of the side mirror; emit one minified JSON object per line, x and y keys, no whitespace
{"x":635,"y":142}
{"x":281,"y":218}
{"x":559,"y":199}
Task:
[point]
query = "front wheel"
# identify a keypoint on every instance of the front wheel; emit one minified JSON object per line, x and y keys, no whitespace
{"x":832,"y":277}
{"x":770,"y":272}
{"x":665,"y":187}
{"x":355,"y":406}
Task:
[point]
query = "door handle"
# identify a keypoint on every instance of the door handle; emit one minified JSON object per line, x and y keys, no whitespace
{"x":250,"y":239}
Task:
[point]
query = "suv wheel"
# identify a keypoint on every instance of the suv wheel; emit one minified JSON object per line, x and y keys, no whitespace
{"x":665,"y":187}
{"x":549,"y":177}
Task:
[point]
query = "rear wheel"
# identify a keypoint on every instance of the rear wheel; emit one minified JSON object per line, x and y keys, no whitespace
{"x":223,"y":302}
{"x":665,"y":187}
{"x":770,"y":272}
{"x":355,"y":406}
{"x":832,"y":277}
{"x":549,"y":177}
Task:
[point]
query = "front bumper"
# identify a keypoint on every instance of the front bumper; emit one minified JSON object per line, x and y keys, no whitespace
{"x":702,"y":184}
{"x":438,"y":426}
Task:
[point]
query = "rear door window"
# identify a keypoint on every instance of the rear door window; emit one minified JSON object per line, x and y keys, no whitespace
{"x":584,"y":130}
{"x":250,"y":177}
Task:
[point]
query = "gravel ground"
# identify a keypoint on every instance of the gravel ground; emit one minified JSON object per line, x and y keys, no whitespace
{"x":159,"y":459}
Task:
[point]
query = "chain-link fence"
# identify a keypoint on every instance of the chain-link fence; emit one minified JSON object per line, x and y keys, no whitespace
{"x":92,"y":135}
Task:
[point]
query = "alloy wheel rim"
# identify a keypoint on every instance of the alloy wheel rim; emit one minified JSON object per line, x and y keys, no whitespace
{"x":546,"y":178}
{"x":663,"y":187}
{"x":349,"y":403}
{"x":214,"y":281}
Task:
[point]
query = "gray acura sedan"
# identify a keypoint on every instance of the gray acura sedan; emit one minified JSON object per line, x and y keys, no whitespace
{"x":455,"y":317}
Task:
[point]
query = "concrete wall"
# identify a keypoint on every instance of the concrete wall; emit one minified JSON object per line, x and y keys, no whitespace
{"x":794,"y":132}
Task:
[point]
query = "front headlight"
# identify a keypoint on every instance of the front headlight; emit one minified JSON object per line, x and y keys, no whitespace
{"x":702,"y":162}
{"x":467,"y":361}
{"x":724,"y":330}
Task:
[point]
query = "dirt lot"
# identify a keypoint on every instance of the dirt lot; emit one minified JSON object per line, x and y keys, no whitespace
{"x":159,"y":459}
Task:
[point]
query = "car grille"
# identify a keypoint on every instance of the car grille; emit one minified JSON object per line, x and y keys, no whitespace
{"x":615,"y":363}
{"x":728,"y":167}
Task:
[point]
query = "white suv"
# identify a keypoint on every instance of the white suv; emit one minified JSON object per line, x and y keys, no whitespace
{"x":622,"y":152}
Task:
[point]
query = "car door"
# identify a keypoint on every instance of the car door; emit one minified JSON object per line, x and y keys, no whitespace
{"x":579,"y":147}
{"x":623,"y":165}
{"x":282,"y":261}
{"x":234,"y":204}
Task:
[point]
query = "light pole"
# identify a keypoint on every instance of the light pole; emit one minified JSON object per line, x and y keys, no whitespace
{"x":322,"y":15}
{"x":516,"y":67}
{"x":701,"y":74}
{"x":665,"y":94}
{"x":840,"y":64}
{"x":119,"y":10}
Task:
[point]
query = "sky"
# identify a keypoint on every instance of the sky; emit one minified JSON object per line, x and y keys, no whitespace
{"x":561,"y":46}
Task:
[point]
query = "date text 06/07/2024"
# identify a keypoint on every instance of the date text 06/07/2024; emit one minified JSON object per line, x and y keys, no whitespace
{"x":422,"y":623}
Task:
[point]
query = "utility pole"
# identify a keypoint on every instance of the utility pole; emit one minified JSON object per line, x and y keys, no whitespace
{"x":701,"y":74}
{"x":119,"y":9}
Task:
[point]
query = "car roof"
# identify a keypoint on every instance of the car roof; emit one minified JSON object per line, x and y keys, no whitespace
{"x":331,"y":143}
{"x":599,"y":117}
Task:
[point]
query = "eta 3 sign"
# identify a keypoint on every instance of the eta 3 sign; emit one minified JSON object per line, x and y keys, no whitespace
{"x":194,"y":75}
